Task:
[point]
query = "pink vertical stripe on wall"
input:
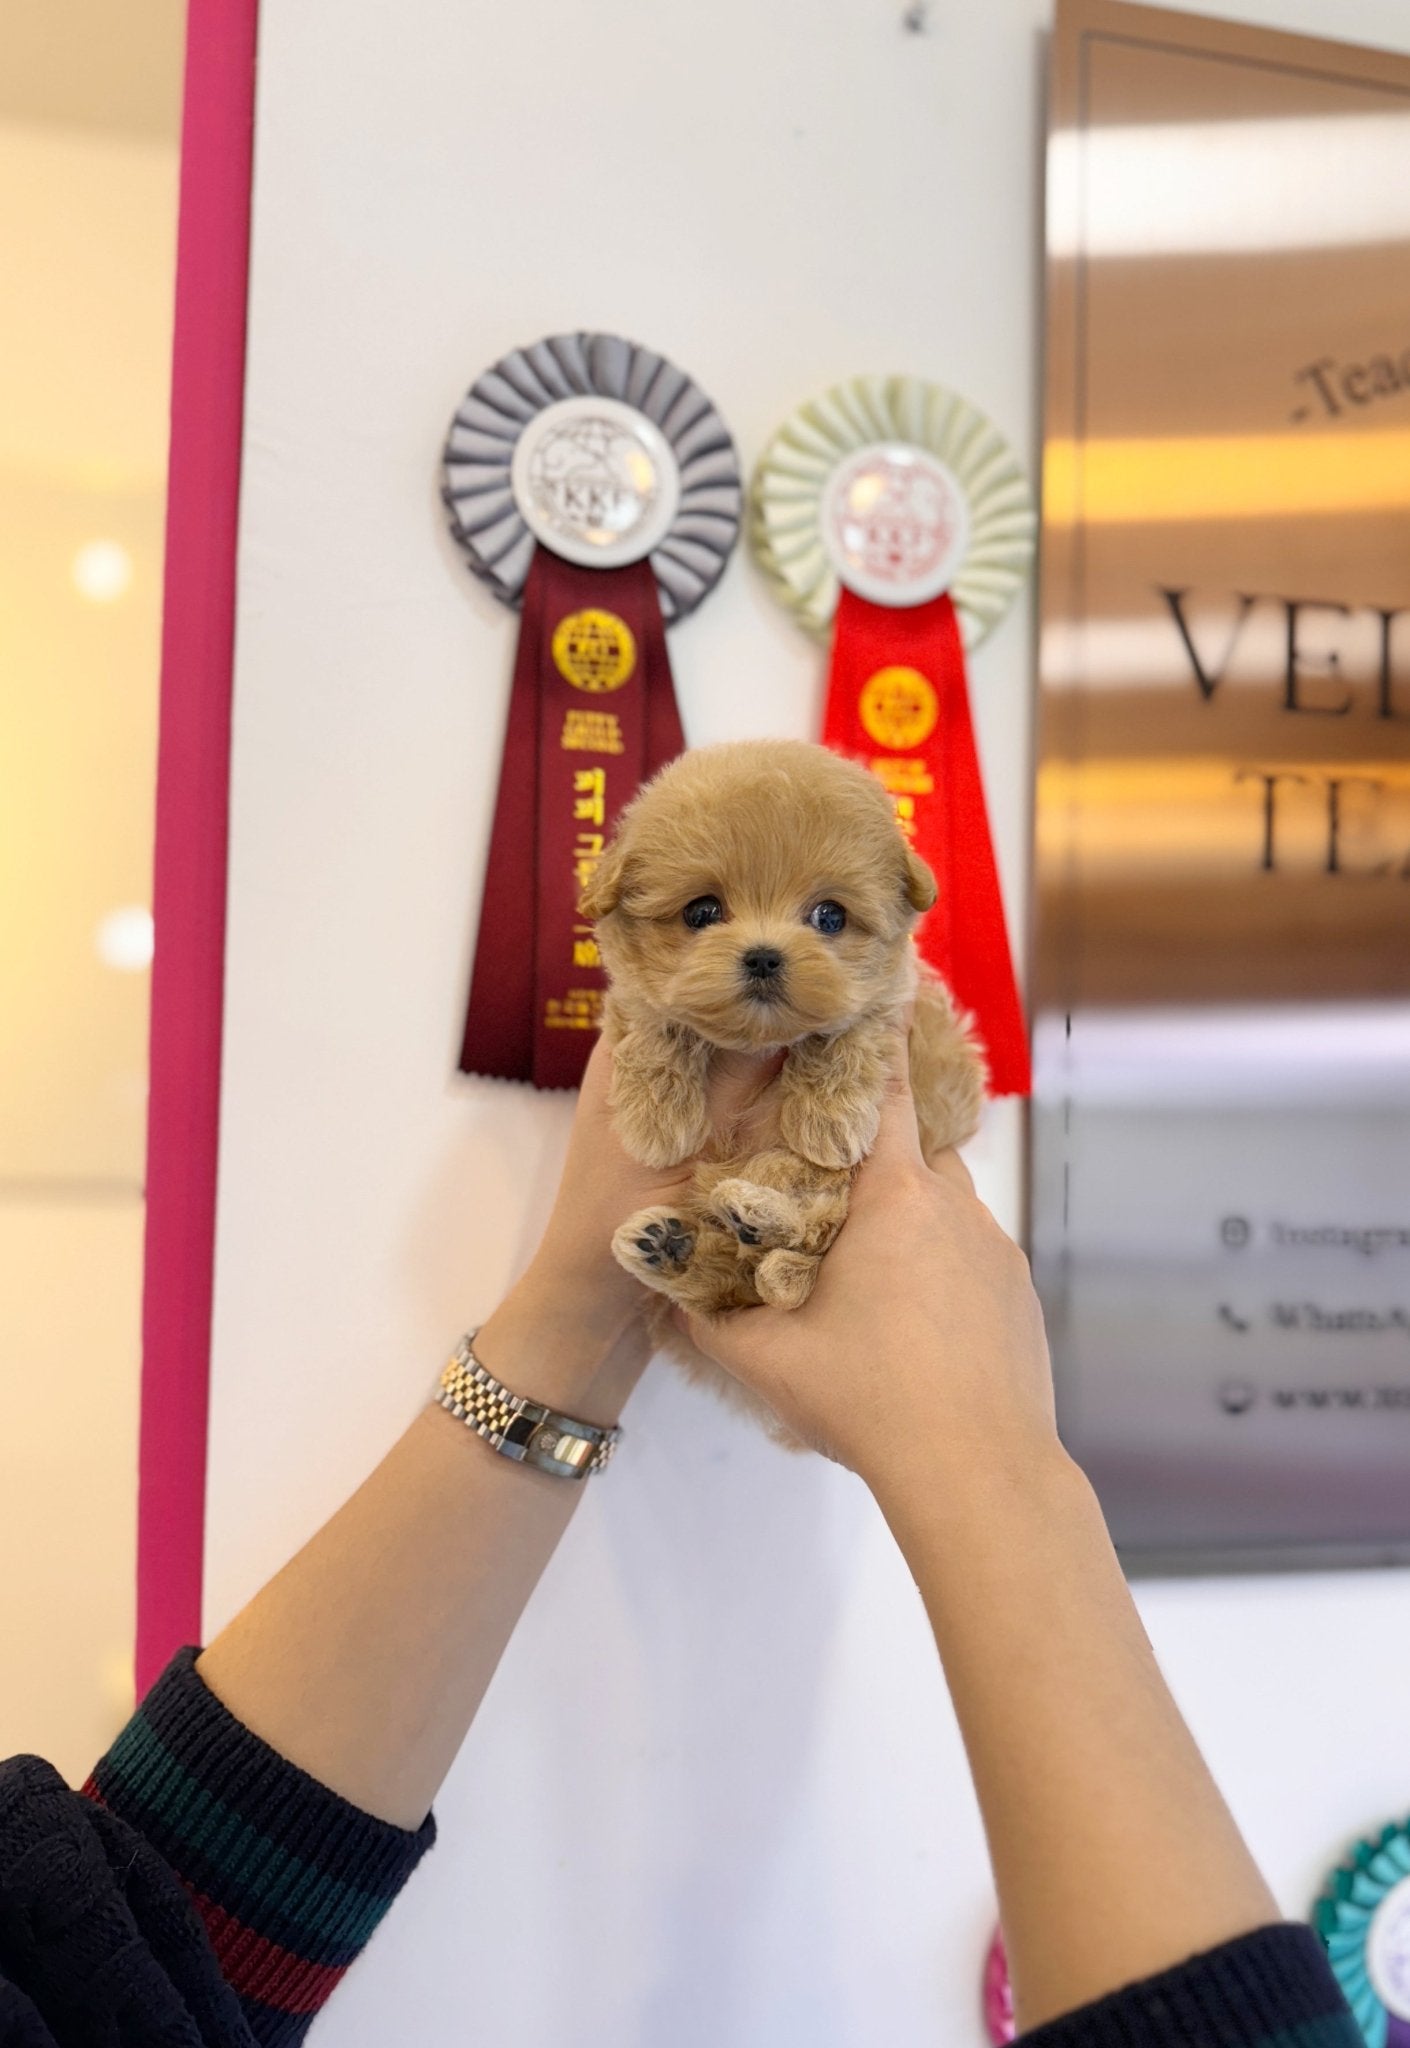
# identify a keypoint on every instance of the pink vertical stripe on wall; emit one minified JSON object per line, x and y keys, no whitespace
{"x":193,"y":780}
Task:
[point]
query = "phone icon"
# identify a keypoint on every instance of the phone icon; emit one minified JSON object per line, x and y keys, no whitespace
{"x":1229,"y":1317}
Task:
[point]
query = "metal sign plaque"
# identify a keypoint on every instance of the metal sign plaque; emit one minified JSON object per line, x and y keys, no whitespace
{"x":1220,"y":1192}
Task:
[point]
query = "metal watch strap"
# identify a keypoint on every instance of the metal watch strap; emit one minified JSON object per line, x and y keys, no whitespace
{"x":527,"y":1431}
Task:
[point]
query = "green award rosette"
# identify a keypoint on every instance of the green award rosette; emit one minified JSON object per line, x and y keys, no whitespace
{"x":1363,"y":1917}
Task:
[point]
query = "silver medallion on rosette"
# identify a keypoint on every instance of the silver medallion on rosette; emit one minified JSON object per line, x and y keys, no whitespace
{"x":895,"y":523}
{"x":898,"y":489}
{"x":603,"y":451}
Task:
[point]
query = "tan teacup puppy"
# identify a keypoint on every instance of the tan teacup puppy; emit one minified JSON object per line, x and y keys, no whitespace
{"x":761,"y":896}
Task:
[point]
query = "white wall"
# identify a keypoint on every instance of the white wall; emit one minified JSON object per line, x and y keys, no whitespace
{"x":772,"y":1839}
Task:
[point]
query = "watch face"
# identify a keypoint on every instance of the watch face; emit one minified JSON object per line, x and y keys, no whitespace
{"x":596,"y":481}
{"x":895,"y":523}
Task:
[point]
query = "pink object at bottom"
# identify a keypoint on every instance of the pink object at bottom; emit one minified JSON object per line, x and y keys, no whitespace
{"x":999,"y":2021}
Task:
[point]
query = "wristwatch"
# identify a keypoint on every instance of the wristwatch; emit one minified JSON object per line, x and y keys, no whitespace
{"x":528,"y":1431}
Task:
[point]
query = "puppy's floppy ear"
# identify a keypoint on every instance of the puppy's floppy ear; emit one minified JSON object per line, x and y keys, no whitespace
{"x":604,"y":892}
{"x":920,"y":883}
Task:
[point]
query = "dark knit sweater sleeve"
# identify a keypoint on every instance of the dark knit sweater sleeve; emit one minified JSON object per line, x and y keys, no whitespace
{"x":1271,"y":1989}
{"x":289,"y":1878}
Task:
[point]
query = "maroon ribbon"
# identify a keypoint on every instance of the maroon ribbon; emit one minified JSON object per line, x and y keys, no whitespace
{"x":592,"y":714}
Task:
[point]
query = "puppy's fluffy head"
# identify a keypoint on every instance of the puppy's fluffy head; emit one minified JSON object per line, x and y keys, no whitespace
{"x":758,"y":893}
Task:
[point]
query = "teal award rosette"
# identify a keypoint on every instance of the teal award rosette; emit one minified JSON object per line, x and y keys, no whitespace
{"x":1363,"y":1917}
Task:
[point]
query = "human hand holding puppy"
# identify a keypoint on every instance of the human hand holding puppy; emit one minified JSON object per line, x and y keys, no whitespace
{"x":575,"y":1317}
{"x":921,"y":1349}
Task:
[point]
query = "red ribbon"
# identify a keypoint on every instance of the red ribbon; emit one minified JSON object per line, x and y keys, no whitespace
{"x":592,"y":714}
{"x":898,"y":701}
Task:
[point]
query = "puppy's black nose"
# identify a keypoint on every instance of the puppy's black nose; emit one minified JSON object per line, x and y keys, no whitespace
{"x":762,"y":963}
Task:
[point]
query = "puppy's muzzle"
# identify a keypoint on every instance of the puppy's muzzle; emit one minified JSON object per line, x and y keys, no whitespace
{"x":762,"y":967}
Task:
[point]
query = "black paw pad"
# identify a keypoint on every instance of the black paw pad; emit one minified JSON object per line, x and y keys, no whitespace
{"x":665,"y":1246}
{"x":745,"y":1232}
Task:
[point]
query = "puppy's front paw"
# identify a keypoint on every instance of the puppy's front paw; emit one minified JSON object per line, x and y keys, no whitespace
{"x":785,"y":1279}
{"x":661,"y":1119}
{"x":655,"y":1247}
{"x":756,"y":1215}
{"x":830,"y":1130}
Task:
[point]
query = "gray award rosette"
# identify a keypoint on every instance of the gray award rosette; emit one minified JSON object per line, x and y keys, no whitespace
{"x":603,"y":451}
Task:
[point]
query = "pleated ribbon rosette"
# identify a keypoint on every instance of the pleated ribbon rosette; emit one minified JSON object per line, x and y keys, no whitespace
{"x":594,"y":485}
{"x":1363,"y":1918}
{"x":891,"y":514}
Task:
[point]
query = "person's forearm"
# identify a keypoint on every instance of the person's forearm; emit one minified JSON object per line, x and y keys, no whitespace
{"x":1113,"y":1852}
{"x":365,"y":1659}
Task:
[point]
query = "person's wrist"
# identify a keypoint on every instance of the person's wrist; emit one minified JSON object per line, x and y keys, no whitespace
{"x":947,"y":1486}
{"x":574,"y":1272}
{"x":945,"y":1510}
{"x":564,"y":1343}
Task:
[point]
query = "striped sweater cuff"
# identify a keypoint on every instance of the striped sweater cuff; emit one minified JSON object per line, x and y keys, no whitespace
{"x":289,"y":1878}
{"x":1270,"y":1989}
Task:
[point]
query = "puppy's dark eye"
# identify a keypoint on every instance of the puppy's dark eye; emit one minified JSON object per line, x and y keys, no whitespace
{"x":827,"y":917}
{"x":703,"y":910}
